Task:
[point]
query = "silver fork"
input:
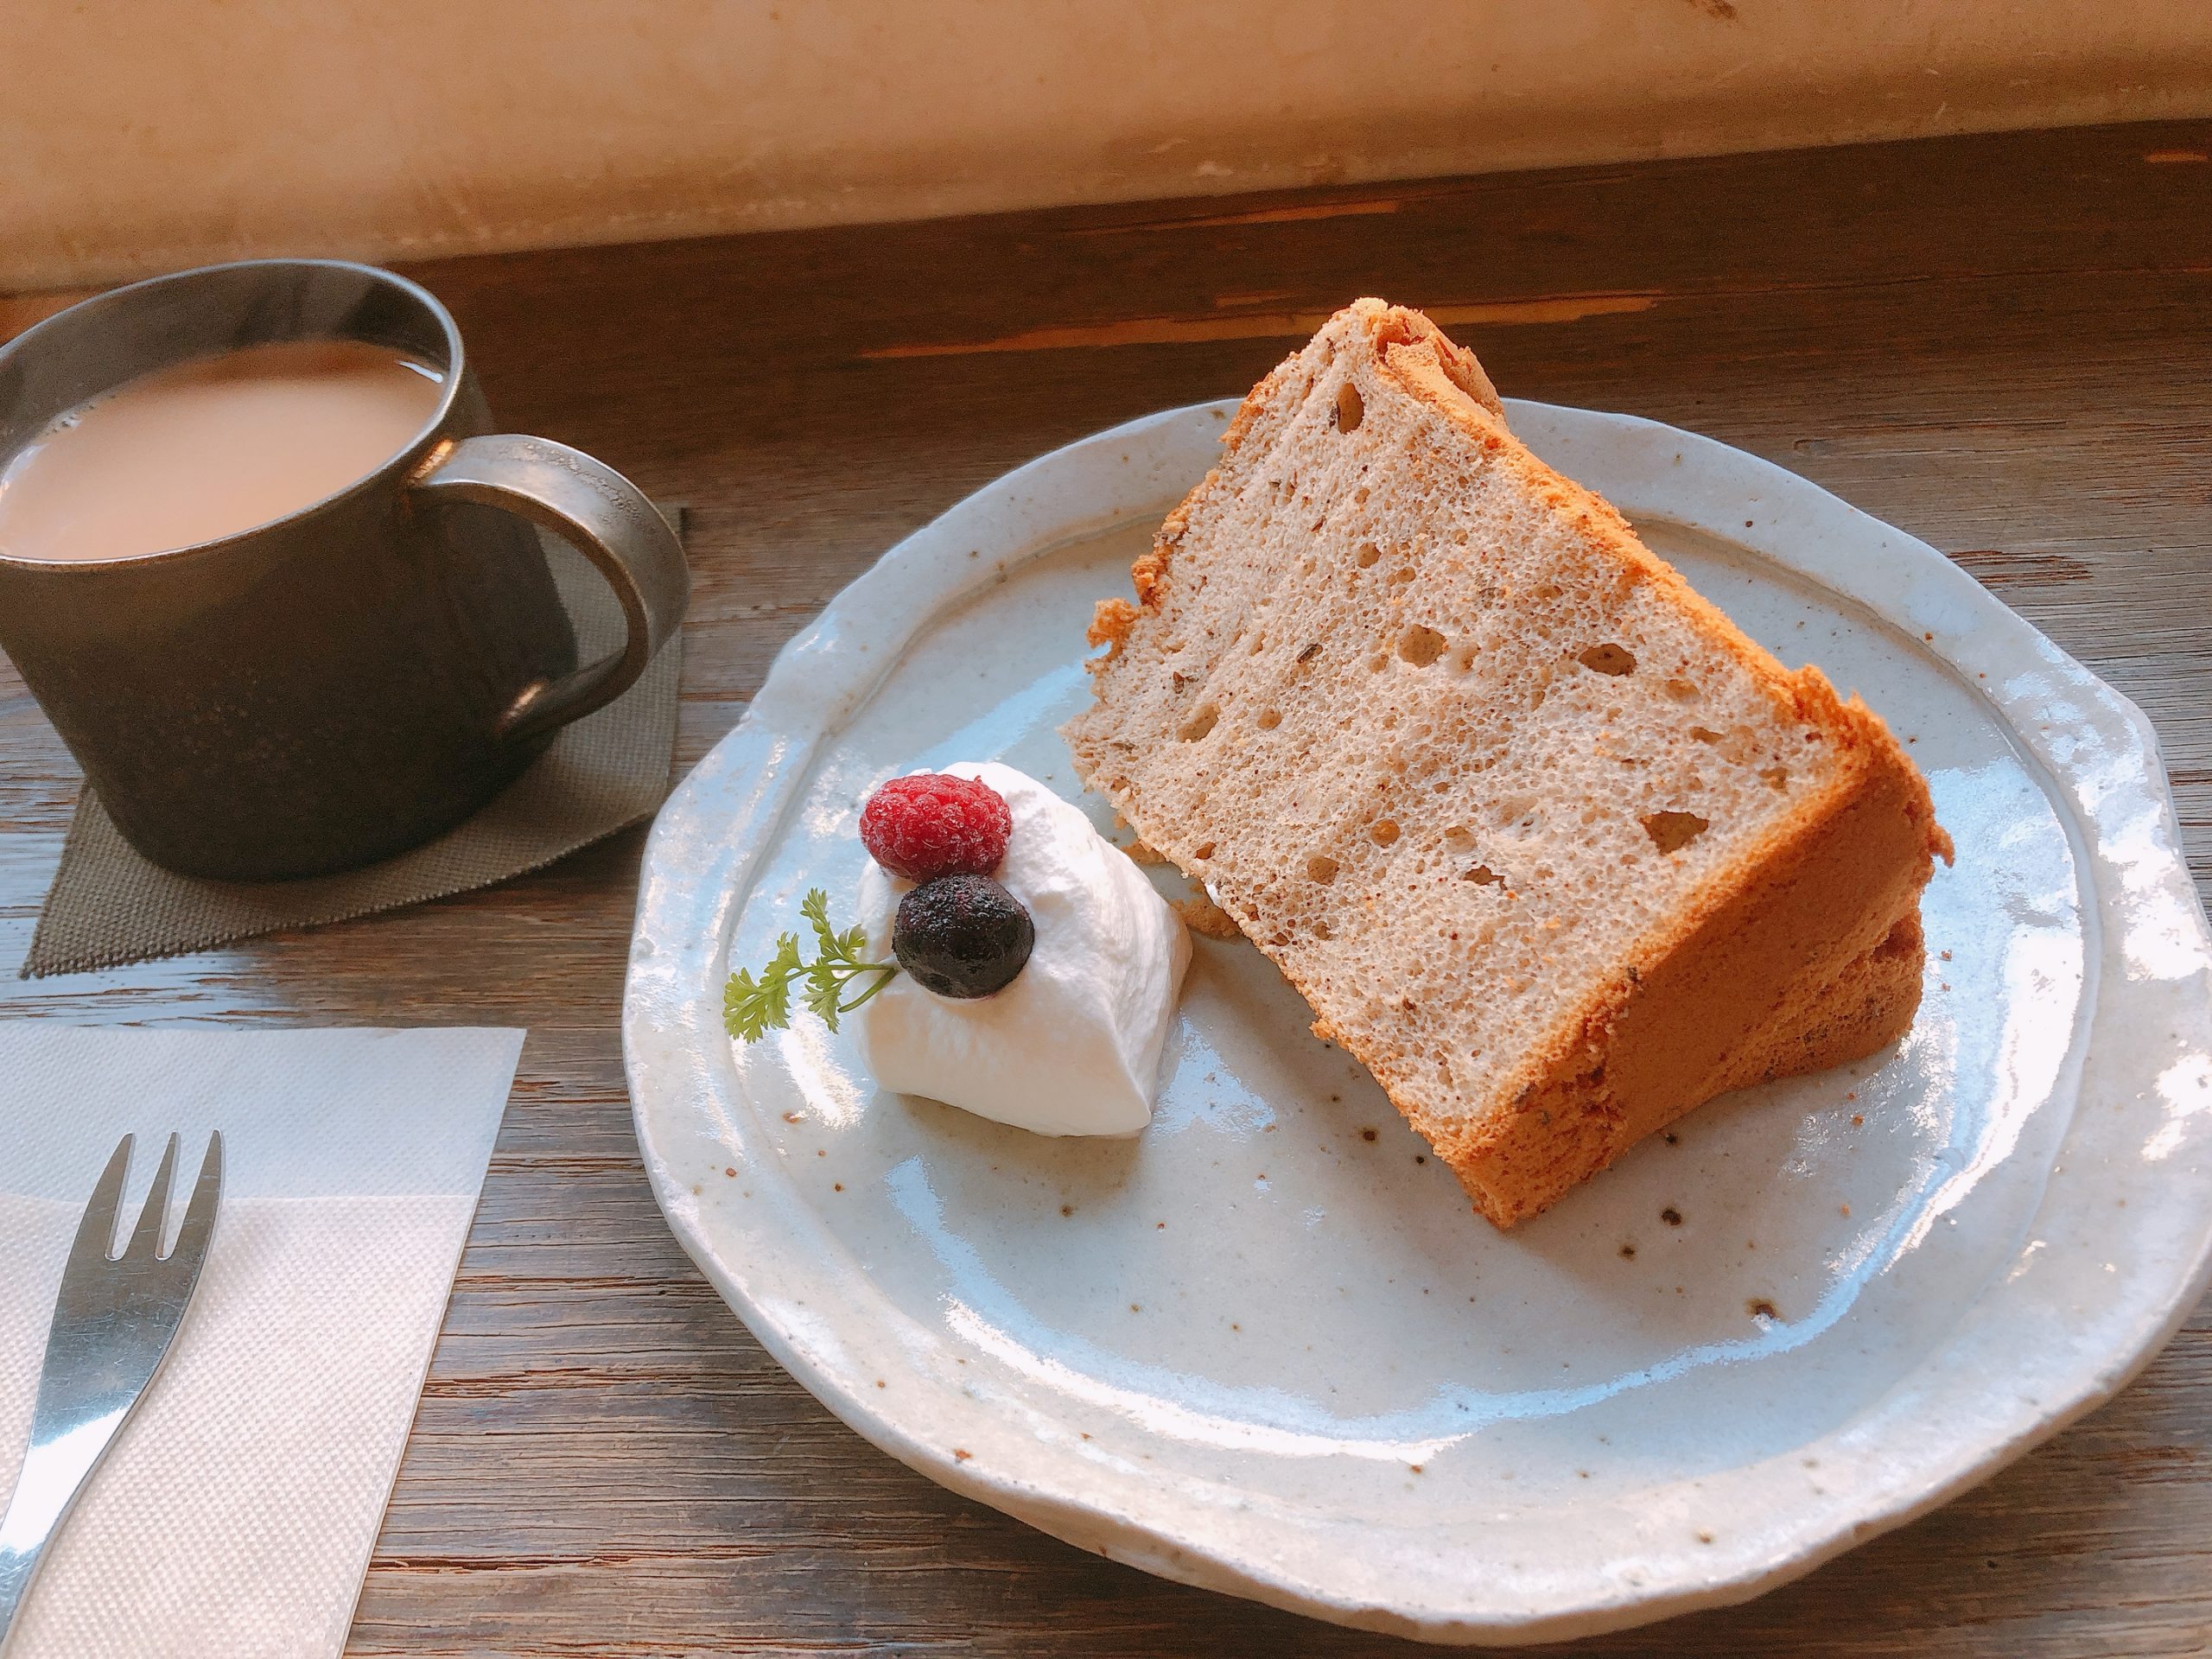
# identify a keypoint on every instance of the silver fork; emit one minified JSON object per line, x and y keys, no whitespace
{"x":112,"y":1325}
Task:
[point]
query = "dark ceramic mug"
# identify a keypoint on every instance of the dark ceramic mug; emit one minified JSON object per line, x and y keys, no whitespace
{"x":347,"y":682}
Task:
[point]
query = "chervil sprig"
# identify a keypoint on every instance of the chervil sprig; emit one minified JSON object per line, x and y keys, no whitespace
{"x":753,"y":1008}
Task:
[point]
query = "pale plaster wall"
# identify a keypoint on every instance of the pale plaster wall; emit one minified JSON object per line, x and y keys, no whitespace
{"x":141,"y":135}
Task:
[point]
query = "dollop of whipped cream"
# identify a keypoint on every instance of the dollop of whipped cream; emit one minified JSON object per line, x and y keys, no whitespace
{"x":1072,"y":1047}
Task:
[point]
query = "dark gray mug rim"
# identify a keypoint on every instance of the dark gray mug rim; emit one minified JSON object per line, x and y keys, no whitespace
{"x":406,"y":459}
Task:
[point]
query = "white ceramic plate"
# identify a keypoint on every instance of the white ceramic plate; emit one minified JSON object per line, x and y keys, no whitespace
{"x":1265,"y":1347}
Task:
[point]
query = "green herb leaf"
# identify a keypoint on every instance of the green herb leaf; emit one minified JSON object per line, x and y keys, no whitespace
{"x":742,"y":1014}
{"x":815,"y":908}
{"x":776,"y":983}
{"x":823,"y":987}
{"x":752,"y":1008}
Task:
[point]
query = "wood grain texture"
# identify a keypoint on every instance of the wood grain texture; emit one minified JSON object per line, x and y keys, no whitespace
{"x":1998,"y":343}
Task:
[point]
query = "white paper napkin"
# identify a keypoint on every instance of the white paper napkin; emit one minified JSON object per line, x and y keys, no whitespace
{"x":235,"y":1513}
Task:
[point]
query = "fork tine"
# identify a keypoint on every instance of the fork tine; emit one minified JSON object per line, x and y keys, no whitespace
{"x":191,"y":1246}
{"x":96,"y":1232}
{"x":146,"y":1236}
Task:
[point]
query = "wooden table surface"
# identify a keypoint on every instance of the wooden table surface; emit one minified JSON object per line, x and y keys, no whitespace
{"x":1999,"y":343}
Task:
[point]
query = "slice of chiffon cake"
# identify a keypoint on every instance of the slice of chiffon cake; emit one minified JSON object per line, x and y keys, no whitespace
{"x":1549,"y":844}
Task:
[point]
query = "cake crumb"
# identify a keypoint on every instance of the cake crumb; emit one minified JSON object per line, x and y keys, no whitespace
{"x":1206,"y":918}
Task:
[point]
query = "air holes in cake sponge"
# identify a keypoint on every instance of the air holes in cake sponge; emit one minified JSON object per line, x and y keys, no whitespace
{"x":1483,"y":876}
{"x":1349,"y":409}
{"x":1322,"y":868}
{"x":1198,"y":724}
{"x":1383,"y":832}
{"x":1681,"y":690}
{"x":1269,"y":719}
{"x":1778,"y":776}
{"x":1368,"y":553}
{"x":1420,"y":646}
{"x":1457,"y":840}
{"x":1704,"y":735}
{"x":1203,"y":851}
{"x":1672,"y":831}
{"x":1608,"y":659}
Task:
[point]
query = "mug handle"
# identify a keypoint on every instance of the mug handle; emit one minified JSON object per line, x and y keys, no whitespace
{"x":606,"y":518}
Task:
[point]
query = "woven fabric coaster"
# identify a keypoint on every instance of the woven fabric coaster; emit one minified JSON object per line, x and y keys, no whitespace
{"x":109,"y":907}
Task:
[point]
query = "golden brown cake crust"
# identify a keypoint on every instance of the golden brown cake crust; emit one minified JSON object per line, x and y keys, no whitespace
{"x":1803,"y":951}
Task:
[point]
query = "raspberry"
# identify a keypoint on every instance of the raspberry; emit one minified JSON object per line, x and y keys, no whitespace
{"x":933,"y":824}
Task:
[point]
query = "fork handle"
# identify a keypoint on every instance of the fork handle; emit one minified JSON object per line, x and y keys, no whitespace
{"x":55,"y":1471}
{"x":16,"y":1567}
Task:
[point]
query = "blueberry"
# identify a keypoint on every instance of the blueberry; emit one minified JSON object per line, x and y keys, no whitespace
{"x":962,"y":936}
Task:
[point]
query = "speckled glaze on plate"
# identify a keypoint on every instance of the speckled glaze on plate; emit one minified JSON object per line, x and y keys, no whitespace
{"x":1265,"y":1347}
